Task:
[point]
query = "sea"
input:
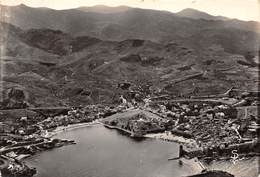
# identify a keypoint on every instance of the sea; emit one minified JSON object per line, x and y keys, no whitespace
{"x":103,"y":152}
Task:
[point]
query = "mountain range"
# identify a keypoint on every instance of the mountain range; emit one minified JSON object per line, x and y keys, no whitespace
{"x":79,"y":56}
{"x":120,"y":23}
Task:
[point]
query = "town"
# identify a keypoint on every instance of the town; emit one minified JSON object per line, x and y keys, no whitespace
{"x":209,"y":128}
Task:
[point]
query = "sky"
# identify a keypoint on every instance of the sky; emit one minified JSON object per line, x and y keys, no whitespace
{"x":240,"y":9}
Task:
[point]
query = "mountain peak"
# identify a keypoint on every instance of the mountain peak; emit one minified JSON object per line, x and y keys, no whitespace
{"x":22,"y":5}
{"x":190,"y":10}
{"x":104,"y":9}
{"x":196,"y":14}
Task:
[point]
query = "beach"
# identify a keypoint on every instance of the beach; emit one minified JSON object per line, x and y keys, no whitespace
{"x":188,"y":143}
{"x":70,"y":127}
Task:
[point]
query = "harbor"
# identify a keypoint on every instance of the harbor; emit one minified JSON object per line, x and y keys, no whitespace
{"x":97,"y":147}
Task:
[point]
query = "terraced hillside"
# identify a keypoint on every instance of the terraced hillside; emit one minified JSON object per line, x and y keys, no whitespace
{"x":54,"y":68}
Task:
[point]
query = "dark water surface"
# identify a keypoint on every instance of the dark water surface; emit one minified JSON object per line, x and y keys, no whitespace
{"x":101,"y":152}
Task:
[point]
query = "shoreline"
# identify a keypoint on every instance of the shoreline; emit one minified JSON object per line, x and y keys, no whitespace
{"x":58,"y":130}
{"x":195,"y":164}
{"x":61,"y":129}
{"x":188,"y":143}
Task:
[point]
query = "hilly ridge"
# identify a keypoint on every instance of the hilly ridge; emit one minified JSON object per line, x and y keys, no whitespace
{"x":195,"y":14}
{"x":104,"y":9}
{"x":121,"y":23}
{"x":61,"y":69}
